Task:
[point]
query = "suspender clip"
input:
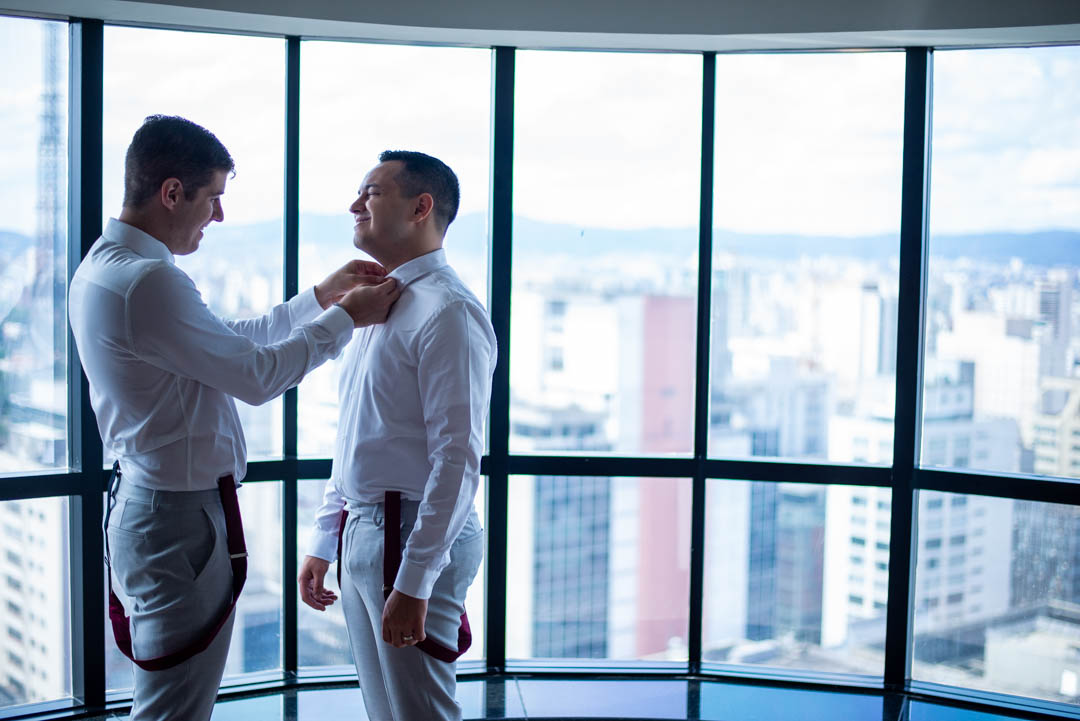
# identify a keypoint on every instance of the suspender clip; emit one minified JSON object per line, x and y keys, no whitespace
{"x":238,"y":555}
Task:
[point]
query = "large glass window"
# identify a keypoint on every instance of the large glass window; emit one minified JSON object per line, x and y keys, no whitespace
{"x":239,"y":266}
{"x":598,"y":568}
{"x":33,"y":245}
{"x":1001,"y":388}
{"x":997,"y":593}
{"x":346,"y":122}
{"x":606,"y":190}
{"x":796,"y":576}
{"x":806,"y":238}
{"x":35,"y":601}
{"x":323,"y":640}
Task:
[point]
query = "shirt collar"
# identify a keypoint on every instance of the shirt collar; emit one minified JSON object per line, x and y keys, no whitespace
{"x":418,"y":267}
{"x":142,"y":243}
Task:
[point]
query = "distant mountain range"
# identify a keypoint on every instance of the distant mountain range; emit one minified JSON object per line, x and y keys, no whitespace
{"x":534,"y":240}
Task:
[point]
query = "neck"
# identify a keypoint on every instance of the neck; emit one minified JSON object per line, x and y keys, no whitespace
{"x":146,"y":223}
{"x":408,"y":254}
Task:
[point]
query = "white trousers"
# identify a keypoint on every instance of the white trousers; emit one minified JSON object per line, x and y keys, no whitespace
{"x":404,"y":684}
{"x":170,"y":558}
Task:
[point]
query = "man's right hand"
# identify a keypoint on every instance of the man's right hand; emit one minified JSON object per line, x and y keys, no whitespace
{"x":370,"y":304}
{"x":312,"y":592}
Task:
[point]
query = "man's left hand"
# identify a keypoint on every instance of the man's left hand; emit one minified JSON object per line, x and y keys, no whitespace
{"x":356,"y":272}
{"x":403,"y":620}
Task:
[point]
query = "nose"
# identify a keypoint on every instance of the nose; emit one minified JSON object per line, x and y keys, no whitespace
{"x":357,"y":204}
{"x":219,"y":213}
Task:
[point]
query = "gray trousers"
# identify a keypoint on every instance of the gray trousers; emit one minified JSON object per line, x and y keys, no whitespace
{"x":403,"y":684}
{"x":169,"y":557}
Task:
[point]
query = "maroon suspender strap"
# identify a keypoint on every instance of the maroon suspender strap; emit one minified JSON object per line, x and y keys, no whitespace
{"x":341,"y":545}
{"x":391,"y":563}
{"x":234,"y":529}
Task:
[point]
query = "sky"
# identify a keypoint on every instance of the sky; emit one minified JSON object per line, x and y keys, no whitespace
{"x":806,"y":143}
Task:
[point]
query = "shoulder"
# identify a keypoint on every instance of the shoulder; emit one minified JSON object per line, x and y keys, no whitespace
{"x":458,"y":323}
{"x":117,"y":268}
{"x":161,"y":290}
{"x":430,"y":297}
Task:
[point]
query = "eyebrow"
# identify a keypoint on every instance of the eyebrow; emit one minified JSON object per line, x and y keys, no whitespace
{"x":369,"y":186}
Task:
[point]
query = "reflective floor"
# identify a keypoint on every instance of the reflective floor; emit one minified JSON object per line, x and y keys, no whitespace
{"x":528,"y":698}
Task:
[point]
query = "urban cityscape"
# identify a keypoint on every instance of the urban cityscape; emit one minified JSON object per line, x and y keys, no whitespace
{"x":803,"y":361}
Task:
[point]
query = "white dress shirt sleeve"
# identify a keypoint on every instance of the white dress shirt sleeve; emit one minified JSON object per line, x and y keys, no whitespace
{"x":169,"y":326}
{"x":278,"y":324}
{"x":324,"y":538}
{"x":456,"y":359}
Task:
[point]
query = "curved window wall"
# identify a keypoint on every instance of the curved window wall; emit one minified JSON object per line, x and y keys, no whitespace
{"x":694,"y":430}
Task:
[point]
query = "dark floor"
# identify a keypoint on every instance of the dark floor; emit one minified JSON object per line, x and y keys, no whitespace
{"x":610,"y":699}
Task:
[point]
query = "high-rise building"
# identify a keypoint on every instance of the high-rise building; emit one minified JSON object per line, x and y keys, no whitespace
{"x":963,"y":566}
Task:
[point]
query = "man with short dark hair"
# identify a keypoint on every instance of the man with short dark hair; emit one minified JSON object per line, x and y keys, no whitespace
{"x":163,"y":373}
{"x":414,"y":395}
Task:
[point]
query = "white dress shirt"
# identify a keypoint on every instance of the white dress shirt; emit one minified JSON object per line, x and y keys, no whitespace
{"x":414,"y":396}
{"x":163,"y":369}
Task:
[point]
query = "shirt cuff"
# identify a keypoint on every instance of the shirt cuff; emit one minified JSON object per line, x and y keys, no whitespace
{"x":414,"y":579}
{"x":337,"y":320}
{"x":323,"y":545}
{"x":303,"y":307}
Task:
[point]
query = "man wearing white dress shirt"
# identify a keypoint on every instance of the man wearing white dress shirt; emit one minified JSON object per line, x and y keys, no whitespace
{"x":414,"y":395}
{"x":163,"y":372}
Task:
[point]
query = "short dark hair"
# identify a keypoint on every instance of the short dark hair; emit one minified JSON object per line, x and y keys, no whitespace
{"x":168,"y":146}
{"x":422,"y":173}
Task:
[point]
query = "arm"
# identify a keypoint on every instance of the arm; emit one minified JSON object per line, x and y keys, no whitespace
{"x":276,"y":325}
{"x":323,"y":550}
{"x":170,"y":327}
{"x":456,"y":361}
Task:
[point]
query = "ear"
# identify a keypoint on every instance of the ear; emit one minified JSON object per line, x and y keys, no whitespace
{"x":424,"y":207}
{"x":171,"y":193}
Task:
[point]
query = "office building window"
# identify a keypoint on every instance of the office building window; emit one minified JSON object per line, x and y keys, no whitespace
{"x":780,"y":590}
{"x":35,"y":602}
{"x":33,"y":245}
{"x":1016,"y":630}
{"x":606,"y":193}
{"x":1001,"y":293}
{"x":806,"y":234}
{"x":598,"y":568}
